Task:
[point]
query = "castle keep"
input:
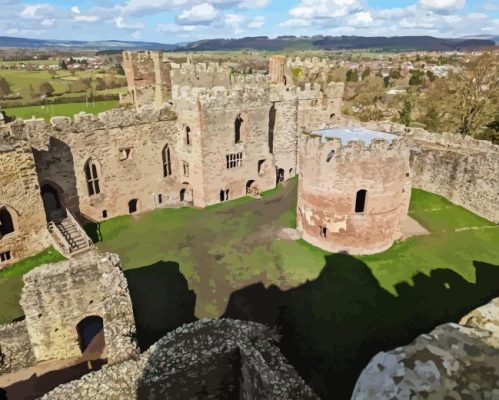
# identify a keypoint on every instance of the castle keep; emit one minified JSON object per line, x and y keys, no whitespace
{"x":196,"y":135}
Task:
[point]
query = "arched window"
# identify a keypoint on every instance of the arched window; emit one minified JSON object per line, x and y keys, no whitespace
{"x":272,"y":115}
{"x":92,"y":177}
{"x":167,"y":163}
{"x":187,"y":135}
{"x":6,"y":222}
{"x":237,"y":126}
{"x":360,"y":201}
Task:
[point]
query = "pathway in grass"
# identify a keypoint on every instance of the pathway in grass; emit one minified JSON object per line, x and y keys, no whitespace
{"x":226,"y":247}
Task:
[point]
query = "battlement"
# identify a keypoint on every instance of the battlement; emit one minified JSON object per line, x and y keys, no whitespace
{"x":348,"y":143}
{"x":82,"y":122}
{"x":189,"y":67}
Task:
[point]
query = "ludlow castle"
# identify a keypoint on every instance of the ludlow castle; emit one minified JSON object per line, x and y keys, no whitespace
{"x":193,"y":135}
{"x":197,"y":134}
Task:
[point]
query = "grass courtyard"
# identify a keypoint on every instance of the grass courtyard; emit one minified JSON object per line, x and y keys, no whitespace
{"x":61,"y":110}
{"x":334,"y":311}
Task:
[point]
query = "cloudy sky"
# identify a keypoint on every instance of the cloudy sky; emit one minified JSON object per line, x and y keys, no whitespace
{"x":173,"y":21}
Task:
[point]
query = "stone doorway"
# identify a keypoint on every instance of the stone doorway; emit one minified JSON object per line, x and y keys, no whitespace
{"x":252,"y":189}
{"x":91,"y":335}
{"x":54,"y":209}
{"x":133,"y":206}
{"x":279,"y":175}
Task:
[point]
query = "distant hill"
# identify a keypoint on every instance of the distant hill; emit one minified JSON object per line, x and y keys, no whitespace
{"x":495,"y":38}
{"x":13,"y":42}
{"x":339,"y":43}
{"x":265,"y":43}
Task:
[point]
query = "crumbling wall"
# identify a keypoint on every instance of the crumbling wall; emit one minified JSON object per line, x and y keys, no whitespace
{"x":62,"y":149}
{"x":452,"y":361}
{"x":20,"y":195}
{"x":148,"y":78}
{"x":463,"y":170}
{"x":56,"y":297}
{"x":331,"y":175}
{"x":205,"y":75}
{"x":207,"y":359}
{"x":15,"y":347}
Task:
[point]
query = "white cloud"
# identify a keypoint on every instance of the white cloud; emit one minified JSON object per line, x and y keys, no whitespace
{"x":203,"y":13}
{"x":325,"y":8}
{"x":442,"y":6}
{"x":86,"y":18}
{"x":120,"y":23}
{"x":37,"y":11}
{"x":363,"y":18}
{"x":48,"y":23}
{"x":256,"y":22}
{"x":296,"y":23}
{"x":75,"y":10}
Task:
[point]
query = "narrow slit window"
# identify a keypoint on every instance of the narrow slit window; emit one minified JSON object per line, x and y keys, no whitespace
{"x":92,"y":177}
{"x":167,"y":163}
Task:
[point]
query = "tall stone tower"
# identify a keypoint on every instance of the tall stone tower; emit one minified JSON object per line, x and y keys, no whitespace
{"x":148,"y":78}
{"x":277,"y":66}
{"x":354,"y":190}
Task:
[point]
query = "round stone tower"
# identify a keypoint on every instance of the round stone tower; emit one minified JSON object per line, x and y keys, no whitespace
{"x":354,"y":190}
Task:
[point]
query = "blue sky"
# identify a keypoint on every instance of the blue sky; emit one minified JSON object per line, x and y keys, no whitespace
{"x":173,"y":21}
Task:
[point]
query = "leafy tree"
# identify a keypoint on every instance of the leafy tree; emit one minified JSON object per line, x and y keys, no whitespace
{"x":416,"y":78}
{"x":352,"y":75}
{"x":431,"y":76}
{"x":46,"y":89}
{"x":4,"y":87}
{"x":476,"y":93}
{"x":120,"y":70}
{"x":386,"y":81}
{"x":405,"y":113}
{"x":63,"y":65}
{"x":395,"y":74}
{"x":368,"y":98}
{"x":432,"y":118}
{"x":366,"y":73}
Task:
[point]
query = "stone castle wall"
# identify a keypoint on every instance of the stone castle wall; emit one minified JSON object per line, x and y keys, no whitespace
{"x":463,"y":170}
{"x":56,"y":297}
{"x":20,"y":195}
{"x":218,"y":359}
{"x":62,"y":149}
{"x":206,"y":75}
{"x":327,"y":193}
{"x":15,"y":348}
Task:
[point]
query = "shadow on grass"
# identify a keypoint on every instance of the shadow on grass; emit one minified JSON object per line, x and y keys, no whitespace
{"x":333,"y":326}
{"x":161,"y":300}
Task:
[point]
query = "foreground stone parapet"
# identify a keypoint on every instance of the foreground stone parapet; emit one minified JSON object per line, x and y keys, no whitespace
{"x":57,"y":298}
{"x":15,"y":347}
{"x":451,"y":362}
{"x":354,"y":189}
{"x":222,"y":359}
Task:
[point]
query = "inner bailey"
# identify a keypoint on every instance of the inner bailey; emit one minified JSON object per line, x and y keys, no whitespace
{"x":57,"y":297}
{"x":209,"y":359}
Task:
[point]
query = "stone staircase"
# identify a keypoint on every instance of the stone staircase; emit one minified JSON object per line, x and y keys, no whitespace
{"x":69,"y":237}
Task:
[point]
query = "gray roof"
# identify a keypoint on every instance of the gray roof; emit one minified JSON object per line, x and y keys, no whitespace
{"x":348,"y":134}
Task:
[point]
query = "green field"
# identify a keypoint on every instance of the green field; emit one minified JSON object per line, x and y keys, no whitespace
{"x":61,"y":110}
{"x":333,"y":311}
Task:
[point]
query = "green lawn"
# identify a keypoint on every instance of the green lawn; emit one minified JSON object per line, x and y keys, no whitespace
{"x":11,"y":282}
{"x":61,"y":110}
{"x":334,"y":311}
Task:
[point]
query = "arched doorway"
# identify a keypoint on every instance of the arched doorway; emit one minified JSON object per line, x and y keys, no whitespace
{"x":6,"y":222}
{"x":133,"y":206}
{"x":252,"y":189}
{"x":52,"y":203}
{"x":91,"y":334}
{"x":280,"y":175}
{"x":182,"y":195}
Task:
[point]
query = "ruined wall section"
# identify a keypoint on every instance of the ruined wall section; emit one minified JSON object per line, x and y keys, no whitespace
{"x":206,"y":359}
{"x":56,"y":297}
{"x":15,"y":348}
{"x":327,"y":193}
{"x":63,"y":148}
{"x":148,"y":78}
{"x":463,"y":170}
{"x":219,"y":108}
{"x":20,"y":195}
{"x":206,"y":75}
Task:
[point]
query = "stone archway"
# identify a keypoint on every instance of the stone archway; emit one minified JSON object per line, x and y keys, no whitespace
{"x":52,"y":204}
{"x":91,"y":335}
{"x":252,"y":188}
